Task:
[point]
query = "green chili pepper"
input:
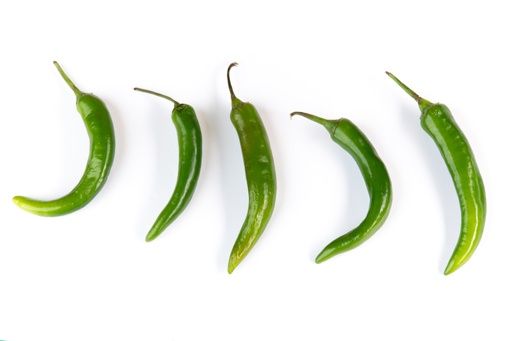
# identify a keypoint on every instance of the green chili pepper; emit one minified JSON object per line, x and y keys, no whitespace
{"x":437,"y":120}
{"x":101,"y":156}
{"x":259,"y":173}
{"x":376,"y":177}
{"x":190,"y":152}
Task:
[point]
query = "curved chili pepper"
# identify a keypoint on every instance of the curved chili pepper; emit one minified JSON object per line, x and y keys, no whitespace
{"x":259,"y":173}
{"x":101,"y":156}
{"x":437,"y":120}
{"x":190,"y":155}
{"x":376,"y":177}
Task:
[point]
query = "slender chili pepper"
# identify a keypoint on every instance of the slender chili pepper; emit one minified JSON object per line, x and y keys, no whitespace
{"x":437,"y":120}
{"x":259,"y":173}
{"x":100,"y":129}
{"x":190,"y":154}
{"x":375,"y":175}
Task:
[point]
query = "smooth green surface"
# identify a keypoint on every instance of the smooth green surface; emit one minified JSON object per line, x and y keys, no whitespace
{"x":100,"y":129}
{"x":375,"y":175}
{"x":260,"y":176}
{"x":438,"y":122}
{"x":190,"y":157}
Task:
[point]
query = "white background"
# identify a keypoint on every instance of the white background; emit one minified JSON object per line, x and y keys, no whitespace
{"x":91,"y":276}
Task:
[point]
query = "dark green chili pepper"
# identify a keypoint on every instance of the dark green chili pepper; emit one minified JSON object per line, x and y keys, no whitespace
{"x":101,"y":155}
{"x":259,"y":173}
{"x":190,"y":154}
{"x":376,"y":177}
{"x":437,"y":120}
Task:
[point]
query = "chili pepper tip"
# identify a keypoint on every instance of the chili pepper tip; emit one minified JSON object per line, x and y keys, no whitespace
{"x":232,"y":264}
{"x":452,"y":266}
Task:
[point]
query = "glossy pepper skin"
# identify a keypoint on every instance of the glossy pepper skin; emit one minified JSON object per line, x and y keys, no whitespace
{"x":190,"y":156}
{"x":352,"y":139}
{"x":100,"y":129}
{"x":260,"y":175}
{"x":437,"y":120}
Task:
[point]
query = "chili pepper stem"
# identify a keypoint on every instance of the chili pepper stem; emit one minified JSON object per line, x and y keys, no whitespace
{"x":234,"y":100}
{"x":158,"y":94}
{"x":330,"y":125}
{"x":423,"y":103}
{"x":68,"y":80}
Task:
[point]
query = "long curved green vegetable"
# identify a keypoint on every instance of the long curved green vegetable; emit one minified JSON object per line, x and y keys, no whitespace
{"x":351,"y":138}
{"x":190,"y":156}
{"x":437,"y":120}
{"x":259,"y":172}
{"x":100,"y":129}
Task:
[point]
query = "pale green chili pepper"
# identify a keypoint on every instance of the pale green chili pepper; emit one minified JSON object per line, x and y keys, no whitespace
{"x":437,"y":120}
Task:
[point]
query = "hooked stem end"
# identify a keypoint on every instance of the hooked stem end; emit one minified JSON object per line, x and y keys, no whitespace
{"x":234,"y":100}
